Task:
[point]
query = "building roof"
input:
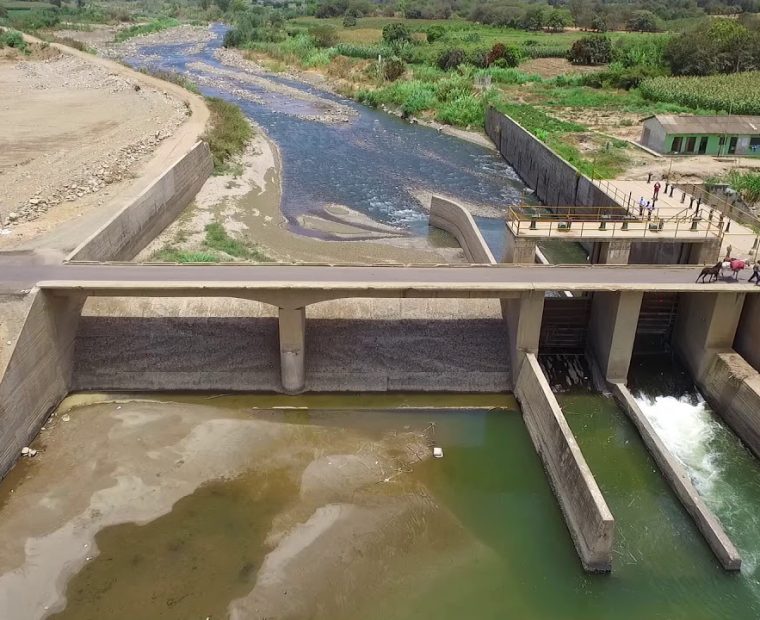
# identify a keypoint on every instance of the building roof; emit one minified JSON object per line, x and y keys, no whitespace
{"x":736,"y":125}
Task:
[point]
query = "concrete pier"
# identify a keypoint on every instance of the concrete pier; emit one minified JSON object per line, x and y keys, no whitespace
{"x":614,"y":318}
{"x":586,"y":513}
{"x":292,"y":330}
{"x":523,"y":317}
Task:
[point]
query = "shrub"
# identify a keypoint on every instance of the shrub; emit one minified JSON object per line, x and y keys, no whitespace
{"x":505,"y":56}
{"x":451,"y":59}
{"x":463,"y":111}
{"x":434,"y":33}
{"x":599,"y":23}
{"x":156,"y":25}
{"x":349,"y":21}
{"x":478,"y":58}
{"x":396,"y":33}
{"x":393,"y":68}
{"x":12,"y":38}
{"x":324,"y":35}
{"x":591,"y":50}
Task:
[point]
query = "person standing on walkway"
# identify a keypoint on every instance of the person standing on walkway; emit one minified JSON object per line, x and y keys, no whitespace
{"x":656,"y":194}
{"x":642,"y":204}
{"x":650,"y":210}
{"x":755,"y":273}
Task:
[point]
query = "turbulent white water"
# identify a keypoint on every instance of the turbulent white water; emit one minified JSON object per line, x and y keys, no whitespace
{"x":713,"y":456}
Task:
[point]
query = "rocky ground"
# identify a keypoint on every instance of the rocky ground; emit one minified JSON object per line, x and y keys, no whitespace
{"x":74,"y":134}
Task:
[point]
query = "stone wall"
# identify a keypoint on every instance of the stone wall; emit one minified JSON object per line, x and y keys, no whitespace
{"x":124,"y":236}
{"x":586,"y":513}
{"x":555,"y":181}
{"x":38,"y":373}
{"x":456,"y":220}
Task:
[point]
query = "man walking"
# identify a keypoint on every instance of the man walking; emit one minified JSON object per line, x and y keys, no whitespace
{"x":656,"y":191}
{"x":755,"y":273}
{"x":642,"y":204}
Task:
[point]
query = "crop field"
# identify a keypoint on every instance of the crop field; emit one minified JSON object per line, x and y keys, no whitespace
{"x":735,"y":93}
{"x":26,"y":5}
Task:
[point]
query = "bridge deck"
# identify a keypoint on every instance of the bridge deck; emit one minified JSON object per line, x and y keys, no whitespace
{"x":359,"y":281}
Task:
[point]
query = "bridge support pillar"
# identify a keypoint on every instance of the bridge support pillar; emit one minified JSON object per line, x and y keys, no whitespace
{"x":519,"y":249}
{"x":523,"y":317}
{"x":706,"y":325}
{"x":292,"y":348}
{"x":614,"y":318}
{"x":611,"y":252}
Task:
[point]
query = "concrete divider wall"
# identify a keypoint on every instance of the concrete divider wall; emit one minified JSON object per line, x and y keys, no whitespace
{"x":555,"y":181}
{"x":732,"y":387}
{"x":455,"y":219}
{"x":679,"y":481}
{"x":130,"y":230}
{"x":586,"y":513}
{"x":38,"y":374}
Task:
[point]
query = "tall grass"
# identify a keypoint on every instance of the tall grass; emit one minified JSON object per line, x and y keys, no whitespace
{"x":228,"y":134}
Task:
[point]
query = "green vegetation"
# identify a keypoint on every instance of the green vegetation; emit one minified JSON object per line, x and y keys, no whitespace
{"x":142,"y":29}
{"x":737,"y":93}
{"x":12,"y":38}
{"x":218,"y":246}
{"x":228,"y":135}
{"x":747,"y":184}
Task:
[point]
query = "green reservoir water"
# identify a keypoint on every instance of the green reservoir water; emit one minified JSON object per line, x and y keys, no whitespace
{"x":476,"y":534}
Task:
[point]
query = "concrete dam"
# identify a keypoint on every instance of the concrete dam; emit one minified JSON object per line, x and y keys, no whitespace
{"x":201,"y":437}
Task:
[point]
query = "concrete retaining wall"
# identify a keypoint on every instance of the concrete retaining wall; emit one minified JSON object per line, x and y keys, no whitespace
{"x":555,"y":181}
{"x":732,"y":387}
{"x":586,"y":513}
{"x":455,"y":219}
{"x":679,"y":481}
{"x":351,"y":345}
{"x":154,"y":209}
{"x":38,"y":374}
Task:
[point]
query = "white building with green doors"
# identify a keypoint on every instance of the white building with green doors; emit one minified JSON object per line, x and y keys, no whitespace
{"x":673,"y":134}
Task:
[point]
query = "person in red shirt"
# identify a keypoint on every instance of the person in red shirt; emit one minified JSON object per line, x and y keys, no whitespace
{"x":656,"y":190}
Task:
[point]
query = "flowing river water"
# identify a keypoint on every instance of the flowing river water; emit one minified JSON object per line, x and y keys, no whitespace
{"x":337,"y":152}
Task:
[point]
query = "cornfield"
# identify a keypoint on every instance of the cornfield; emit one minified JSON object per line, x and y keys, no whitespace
{"x":736,"y":93}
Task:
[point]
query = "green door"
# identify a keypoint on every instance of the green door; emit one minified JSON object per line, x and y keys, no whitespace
{"x":732,"y":145}
{"x":703,"y":145}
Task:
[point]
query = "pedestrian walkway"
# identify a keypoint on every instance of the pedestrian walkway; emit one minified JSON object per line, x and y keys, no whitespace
{"x":675,"y":203}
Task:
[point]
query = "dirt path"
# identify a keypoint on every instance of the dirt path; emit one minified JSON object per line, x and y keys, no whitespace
{"x":83,"y":136}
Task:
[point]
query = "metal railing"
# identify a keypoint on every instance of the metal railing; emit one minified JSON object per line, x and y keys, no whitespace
{"x":557,"y":225}
{"x":700,"y":197}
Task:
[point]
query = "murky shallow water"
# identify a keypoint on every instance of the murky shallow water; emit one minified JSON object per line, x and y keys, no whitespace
{"x":226,"y":507}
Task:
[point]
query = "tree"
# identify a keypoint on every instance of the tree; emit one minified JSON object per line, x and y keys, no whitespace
{"x":580,"y":11}
{"x":534,"y":18}
{"x":556,"y":20}
{"x":223,"y":5}
{"x":599,"y":23}
{"x":642,"y":21}
{"x":205,"y":4}
{"x":349,"y":21}
{"x":80,"y":4}
{"x":592,"y":50}
{"x":396,"y":33}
